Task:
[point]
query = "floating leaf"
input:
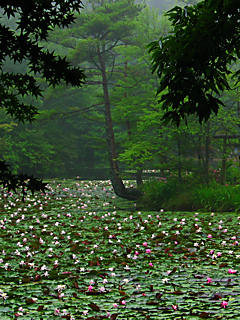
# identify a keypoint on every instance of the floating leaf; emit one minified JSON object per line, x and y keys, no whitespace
{"x":94,"y":307}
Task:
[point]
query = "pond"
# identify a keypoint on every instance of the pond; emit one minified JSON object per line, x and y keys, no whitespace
{"x":79,"y":252}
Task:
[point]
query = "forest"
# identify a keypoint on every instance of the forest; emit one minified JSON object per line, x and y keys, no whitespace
{"x":120,"y":160}
{"x":68,"y":137}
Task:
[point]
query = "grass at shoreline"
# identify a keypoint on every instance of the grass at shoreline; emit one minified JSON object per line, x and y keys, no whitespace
{"x":190,"y":196}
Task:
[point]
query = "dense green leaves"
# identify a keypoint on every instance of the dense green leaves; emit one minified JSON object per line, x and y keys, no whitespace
{"x":33,"y":21}
{"x":22,"y":183}
{"x":20,"y":44}
{"x":79,"y":253}
{"x":193,"y":61}
{"x":69,"y":133}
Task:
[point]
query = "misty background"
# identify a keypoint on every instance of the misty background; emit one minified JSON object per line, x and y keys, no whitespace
{"x":68,"y":137}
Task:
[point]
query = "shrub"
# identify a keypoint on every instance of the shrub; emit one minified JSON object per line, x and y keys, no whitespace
{"x":155,"y":193}
{"x":217,"y":197}
{"x":188,"y":195}
{"x":167,"y":194}
{"x":233,"y":174}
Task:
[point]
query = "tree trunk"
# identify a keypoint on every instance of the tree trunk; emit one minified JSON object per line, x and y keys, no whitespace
{"x":117,"y":183}
{"x":224,"y":161}
{"x":139,"y":179}
{"x":207,"y":152}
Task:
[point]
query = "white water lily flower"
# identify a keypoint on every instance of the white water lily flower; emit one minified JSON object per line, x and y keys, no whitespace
{"x":165,"y":280}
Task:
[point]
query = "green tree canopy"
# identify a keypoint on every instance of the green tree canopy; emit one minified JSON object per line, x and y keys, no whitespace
{"x":23,"y":25}
{"x":98,"y":34}
{"x":20,"y":43}
{"x":193,"y":61}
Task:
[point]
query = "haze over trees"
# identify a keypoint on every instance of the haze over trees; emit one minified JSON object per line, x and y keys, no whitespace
{"x":116,"y":118}
{"x":20,"y":43}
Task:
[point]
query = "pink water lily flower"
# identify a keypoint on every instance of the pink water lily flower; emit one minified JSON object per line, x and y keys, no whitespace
{"x":231,"y":271}
{"x":56,"y":312}
{"x":148,"y":250}
{"x":209,"y":280}
{"x":224,"y":304}
{"x":174,"y":307}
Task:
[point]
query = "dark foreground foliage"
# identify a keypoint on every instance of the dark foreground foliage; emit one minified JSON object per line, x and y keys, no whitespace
{"x":20,"y":42}
{"x":24,"y":24}
{"x":193,"y":62}
{"x":19,"y":182}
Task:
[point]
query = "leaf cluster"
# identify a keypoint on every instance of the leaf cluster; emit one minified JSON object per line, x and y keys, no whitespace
{"x":102,"y":27}
{"x":13,"y":182}
{"x":34,"y":20}
{"x":194,"y":60}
